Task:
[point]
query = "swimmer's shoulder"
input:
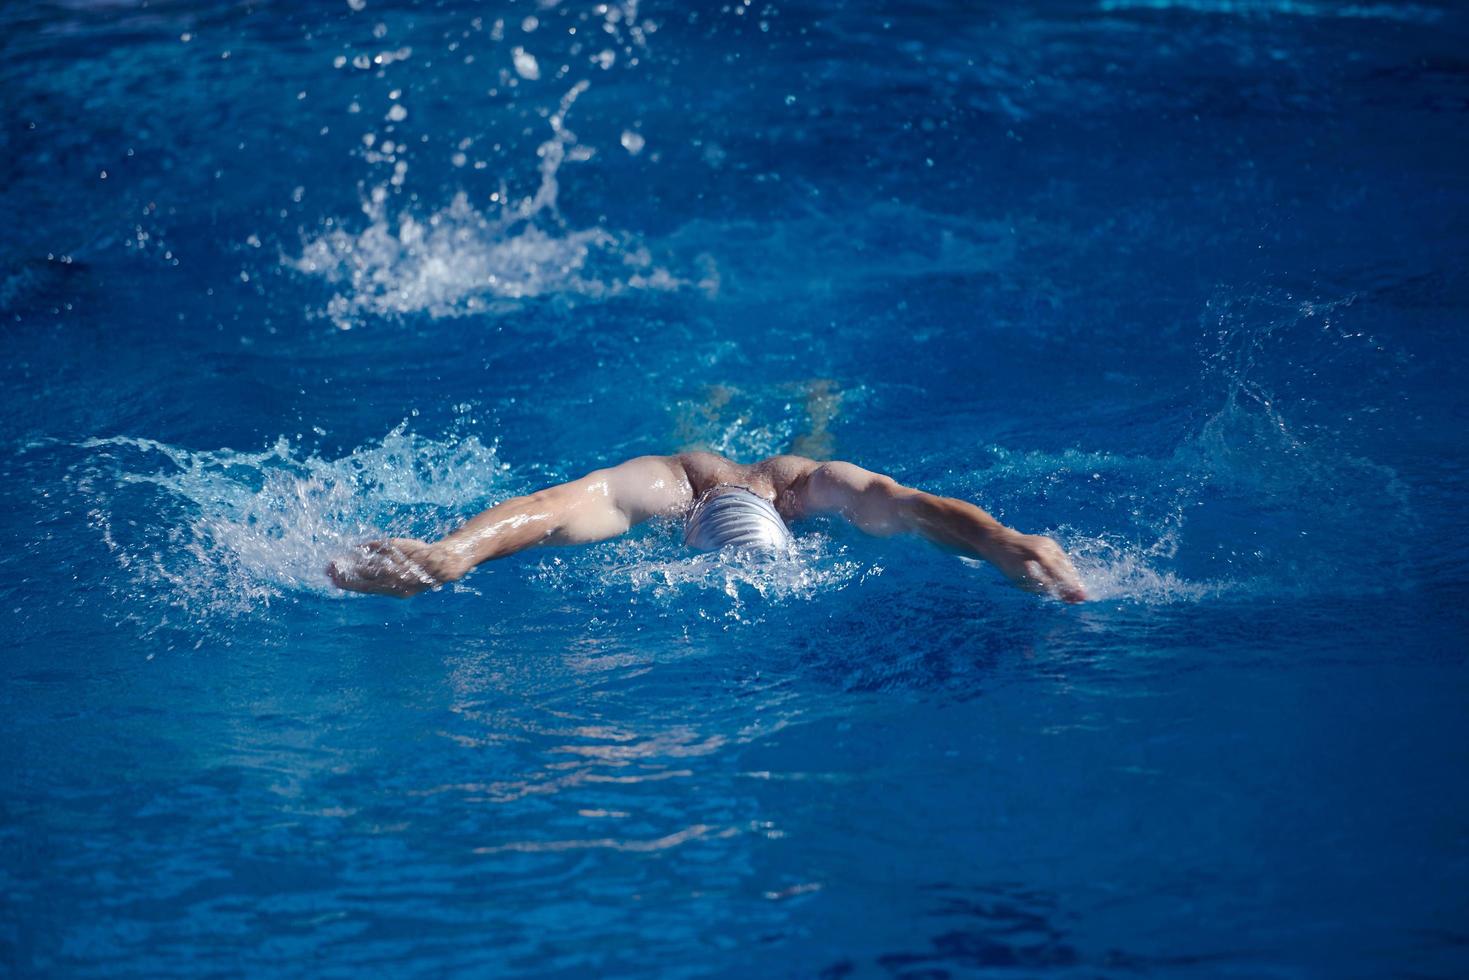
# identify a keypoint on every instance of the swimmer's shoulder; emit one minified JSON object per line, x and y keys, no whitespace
{"x":786,"y":472}
{"x":772,"y":477}
{"x":705,"y":470}
{"x":788,"y":463}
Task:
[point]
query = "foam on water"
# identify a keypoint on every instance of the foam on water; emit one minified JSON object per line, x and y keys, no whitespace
{"x":460,"y":260}
{"x":220,"y":534}
{"x":727,"y":585}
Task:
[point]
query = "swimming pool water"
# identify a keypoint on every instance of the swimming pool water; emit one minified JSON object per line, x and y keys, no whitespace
{"x":1180,"y":283}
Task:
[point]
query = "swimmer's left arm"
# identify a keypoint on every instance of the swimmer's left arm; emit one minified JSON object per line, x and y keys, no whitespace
{"x":600,"y":505}
{"x":880,"y":505}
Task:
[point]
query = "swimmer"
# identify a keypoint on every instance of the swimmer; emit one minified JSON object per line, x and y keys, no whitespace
{"x":724,"y":504}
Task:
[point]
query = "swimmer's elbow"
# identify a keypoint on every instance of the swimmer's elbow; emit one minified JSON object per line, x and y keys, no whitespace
{"x":587,"y":526}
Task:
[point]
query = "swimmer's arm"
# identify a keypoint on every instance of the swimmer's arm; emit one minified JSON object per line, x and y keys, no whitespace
{"x":600,"y":505}
{"x":880,"y":505}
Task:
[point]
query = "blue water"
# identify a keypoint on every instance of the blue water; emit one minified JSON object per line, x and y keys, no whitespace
{"x":1182,"y":284}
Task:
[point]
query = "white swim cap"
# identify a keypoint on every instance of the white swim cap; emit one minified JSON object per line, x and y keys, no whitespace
{"x":730,"y":515}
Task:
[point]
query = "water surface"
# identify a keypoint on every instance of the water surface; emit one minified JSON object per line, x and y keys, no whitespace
{"x":1179,"y":283}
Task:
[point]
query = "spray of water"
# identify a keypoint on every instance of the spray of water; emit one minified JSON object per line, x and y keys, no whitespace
{"x":461,"y":260}
{"x":220,"y":534}
{"x":211,"y":537}
{"x":1250,"y":502}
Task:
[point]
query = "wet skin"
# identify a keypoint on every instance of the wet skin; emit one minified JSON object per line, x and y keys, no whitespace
{"x":607,"y":502}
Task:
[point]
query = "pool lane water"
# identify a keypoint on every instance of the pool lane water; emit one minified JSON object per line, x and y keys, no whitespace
{"x":1181,"y":284}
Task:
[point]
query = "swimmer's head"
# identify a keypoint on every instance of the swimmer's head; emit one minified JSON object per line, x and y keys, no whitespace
{"x":729,"y":516}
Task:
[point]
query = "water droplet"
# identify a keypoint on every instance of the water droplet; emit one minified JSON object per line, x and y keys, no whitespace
{"x":526,"y":65}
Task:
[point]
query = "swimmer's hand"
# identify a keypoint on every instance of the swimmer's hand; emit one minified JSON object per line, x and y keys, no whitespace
{"x":400,"y":567}
{"x":1036,"y":563}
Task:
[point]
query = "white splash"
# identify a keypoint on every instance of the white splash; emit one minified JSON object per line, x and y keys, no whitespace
{"x":462,"y":261}
{"x":224,"y":533}
{"x":1112,"y":568}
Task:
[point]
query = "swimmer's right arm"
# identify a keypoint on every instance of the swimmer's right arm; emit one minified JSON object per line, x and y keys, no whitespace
{"x":598,"y":506}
